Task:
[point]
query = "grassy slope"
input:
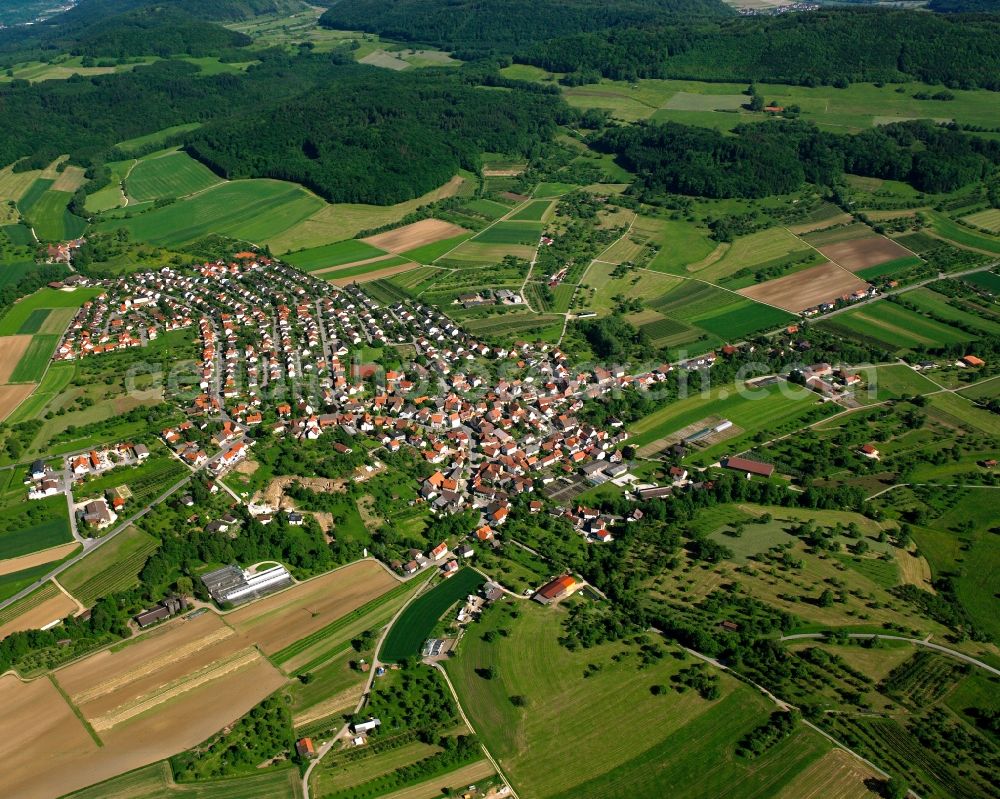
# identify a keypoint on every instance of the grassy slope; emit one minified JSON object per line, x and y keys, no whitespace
{"x":606,"y":735}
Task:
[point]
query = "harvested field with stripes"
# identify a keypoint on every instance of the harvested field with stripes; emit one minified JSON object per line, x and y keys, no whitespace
{"x":283,"y":618}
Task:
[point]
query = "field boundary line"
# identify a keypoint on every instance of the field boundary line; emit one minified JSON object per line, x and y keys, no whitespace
{"x":76,"y":711}
{"x":461,"y":712}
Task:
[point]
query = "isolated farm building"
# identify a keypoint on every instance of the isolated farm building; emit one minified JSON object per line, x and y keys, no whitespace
{"x":972,"y":360}
{"x":305,"y":748}
{"x":749,"y":467}
{"x":557,"y":589}
{"x":655,"y":492}
{"x":869,"y":451}
{"x":166,"y":608}
{"x":141,"y":452}
{"x":233,"y":584}
{"x":366,"y":726}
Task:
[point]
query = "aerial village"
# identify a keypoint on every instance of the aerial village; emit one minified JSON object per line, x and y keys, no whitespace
{"x":492,"y":423}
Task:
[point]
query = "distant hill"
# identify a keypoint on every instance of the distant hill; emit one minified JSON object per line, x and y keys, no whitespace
{"x":505,"y":25}
{"x":126,"y":28}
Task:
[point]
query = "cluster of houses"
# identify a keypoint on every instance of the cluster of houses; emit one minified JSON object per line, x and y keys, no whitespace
{"x":487,"y":297}
{"x":98,"y":461}
{"x":42,"y":481}
{"x":847,"y":299}
{"x":828,"y":382}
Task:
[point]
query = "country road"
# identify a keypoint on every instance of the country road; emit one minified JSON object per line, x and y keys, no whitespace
{"x":916,"y":641}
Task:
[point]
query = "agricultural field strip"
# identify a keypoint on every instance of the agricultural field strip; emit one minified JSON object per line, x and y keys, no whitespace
{"x":181,"y":685}
{"x":284,"y":655}
{"x":109,"y":685}
{"x":505,"y":217}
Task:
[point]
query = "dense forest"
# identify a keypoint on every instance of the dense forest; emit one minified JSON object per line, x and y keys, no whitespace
{"x":822,"y":47}
{"x":127,"y":28}
{"x":378,"y":138}
{"x":476,"y":26}
{"x":776,"y":157}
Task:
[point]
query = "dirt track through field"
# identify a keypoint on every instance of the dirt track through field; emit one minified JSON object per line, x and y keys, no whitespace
{"x":409,"y":237}
{"x":806,"y":289}
{"x":329,"y":270}
{"x":11,"y":350}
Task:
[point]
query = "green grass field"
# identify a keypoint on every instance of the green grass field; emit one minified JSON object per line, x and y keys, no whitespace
{"x":895,"y":267}
{"x":931,"y":302}
{"x":985,"y":280}
{"x":963,"y":236}
{"x":56,"y":379}
{"x":429,"y":253}
{"x":172,"y":175}
{"x":605,"y":735}
{"x":343,"y":252}
{"x":535,"y":211}
{"x":899,"y":380}
{"x":20,"y":312}
{"x":35,"y":360}
{"x":114,"y":566}
{"x":510,"y":233}
{"x":156,"y":782}
{"x":49,"y":533}
{"x":159,"y":137}
{"x":896,"y":328}
{"x":411,"y":629}
{"x":683,"y":244}
{"x":51,"y":218}
{"x":252,"y":210}
{"x":763,"y":409}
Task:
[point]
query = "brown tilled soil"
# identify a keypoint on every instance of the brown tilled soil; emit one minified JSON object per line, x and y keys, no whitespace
{"x":11,"y":350}
{"x":805,"y":289}
{"x":283,"y":618}
{"x":862,"y":253}
{"x":409,"y":237}
{"x":58,"y":607}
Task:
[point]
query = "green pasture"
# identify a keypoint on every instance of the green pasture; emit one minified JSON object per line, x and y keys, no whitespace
{"x":252,"y":210}
{"x":22,"y":310}
{"x":896,"y":328}
{"x":35,"y":360}
{"x":173,"y":175}
{"x":342,"y":252}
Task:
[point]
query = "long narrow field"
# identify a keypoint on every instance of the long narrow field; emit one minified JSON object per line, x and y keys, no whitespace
{"x":12,"y":398}
{"x":12,"y":349}
{"x":290,"y":615}
{"x":606,"y":735}
{"x":254,"y":210}
{"x":762,"y":409}
{"x":22,"y":310}
{"x":894,"y":327}
{"x":33,"y":363}
{"x":418,"y":234}
{"x":113,"y":567}
{"x":155,"y":782}
{"x":332,"y":255}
